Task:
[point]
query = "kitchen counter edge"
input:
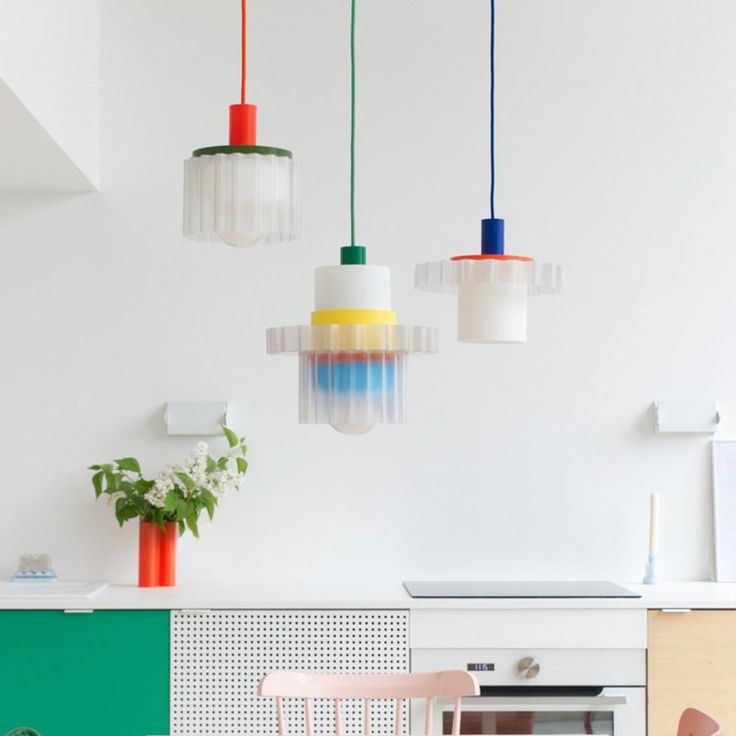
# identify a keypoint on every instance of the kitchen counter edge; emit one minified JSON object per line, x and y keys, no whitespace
{"x":360,"y":595}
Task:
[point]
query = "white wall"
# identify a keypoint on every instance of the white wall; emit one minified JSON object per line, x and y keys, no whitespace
{"x":616,"y":157}
{"x":49,"y":57}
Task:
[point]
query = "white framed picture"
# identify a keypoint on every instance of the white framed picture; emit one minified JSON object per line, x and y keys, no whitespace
{"x":724,"y":509}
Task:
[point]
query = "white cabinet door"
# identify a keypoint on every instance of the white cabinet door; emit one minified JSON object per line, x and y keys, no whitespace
{"x":218,"y":658}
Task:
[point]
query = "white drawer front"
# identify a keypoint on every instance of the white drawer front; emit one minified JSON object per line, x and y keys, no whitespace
{"x":529,"y":629}
{"x":557,"y":667}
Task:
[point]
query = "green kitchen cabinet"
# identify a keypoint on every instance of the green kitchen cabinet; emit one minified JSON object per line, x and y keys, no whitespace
{"x":85,"y":674}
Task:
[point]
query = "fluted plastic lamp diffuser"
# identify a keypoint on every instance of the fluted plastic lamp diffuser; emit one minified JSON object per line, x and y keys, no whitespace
{"x":241,"y":193}
{"x":352,"y":357}
{"x":492,"y":286}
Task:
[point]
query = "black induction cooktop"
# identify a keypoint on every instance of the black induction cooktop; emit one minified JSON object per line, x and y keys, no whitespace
{"x":517,"y":589}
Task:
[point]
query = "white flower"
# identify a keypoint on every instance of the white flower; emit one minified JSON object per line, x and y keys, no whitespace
{"x":222,"y":482}
{"x":196,"y":465}
{"x":165,"y":482}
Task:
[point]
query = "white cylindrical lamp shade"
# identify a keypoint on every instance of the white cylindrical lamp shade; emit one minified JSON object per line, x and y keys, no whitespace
{"x":491,"y":312}
{"x":352,"y":287}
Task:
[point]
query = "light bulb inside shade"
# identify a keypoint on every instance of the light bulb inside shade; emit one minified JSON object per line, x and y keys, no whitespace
{"x":242,"y":239}
{"x":491,"y":312}
{"x":352,"y":428}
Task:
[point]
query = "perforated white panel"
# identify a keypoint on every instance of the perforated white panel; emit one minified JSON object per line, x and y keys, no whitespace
{"x":218,"y":658}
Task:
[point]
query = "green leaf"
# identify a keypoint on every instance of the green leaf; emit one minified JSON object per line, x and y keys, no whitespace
{"x":232,"y":438}
{"x":94,"y":467}
{"x":120,"y":505}
{"x":183,"y":508}
{"x":182,"y":526}
{"x":130,"y":464}
{"x":113,"y":481}
{"x":170,"y":502}
{"x":130,"y":512}
{"x":186,"y":480}
{"x":97,"y":482}
{"x":192,"y":524}
{"x":222,"y":463}
{"x":124,"y":510}
{"x":242,"y":465}
{"x":142,"y":486}
{"x":209,"y":501}
{"x":211,"y":464}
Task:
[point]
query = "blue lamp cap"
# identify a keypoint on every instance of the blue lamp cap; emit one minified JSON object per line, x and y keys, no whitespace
{"x":491,"y":237}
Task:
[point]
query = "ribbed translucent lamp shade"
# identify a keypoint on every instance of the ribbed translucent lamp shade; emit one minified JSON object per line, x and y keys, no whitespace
{"x":351,"y":376}
{"x":241,"y":198}
{"x":492,"y":293}
{"x":351,"y":390}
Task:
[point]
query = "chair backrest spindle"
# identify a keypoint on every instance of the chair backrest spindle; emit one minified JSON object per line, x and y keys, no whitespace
{"x":399,"y":719}
{"x":456,"y":716}
{"x":338,"y":718}
{"x":280,"y":716}
{"x":428,"y":716}
{"x":308,"y":717}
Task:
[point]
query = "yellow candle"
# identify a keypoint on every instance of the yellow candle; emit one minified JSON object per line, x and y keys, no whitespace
{"x":653,"y":523}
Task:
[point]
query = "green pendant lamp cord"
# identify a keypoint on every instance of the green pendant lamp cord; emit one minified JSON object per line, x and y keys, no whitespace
{"x":352,"y":255}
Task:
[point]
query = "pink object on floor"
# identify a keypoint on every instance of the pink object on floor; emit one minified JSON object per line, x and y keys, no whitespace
{"x":451,"y":684}
{"x":696,"y":723}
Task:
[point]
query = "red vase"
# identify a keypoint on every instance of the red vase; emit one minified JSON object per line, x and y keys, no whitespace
{"x":149,"y":555}
{"x":167,"y":554}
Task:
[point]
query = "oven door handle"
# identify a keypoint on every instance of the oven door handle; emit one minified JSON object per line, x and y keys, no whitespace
{"x":551,"y":703}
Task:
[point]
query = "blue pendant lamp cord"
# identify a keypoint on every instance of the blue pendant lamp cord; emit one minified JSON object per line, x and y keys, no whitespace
{"x":493,"y":112}
{"x":492,"y":229}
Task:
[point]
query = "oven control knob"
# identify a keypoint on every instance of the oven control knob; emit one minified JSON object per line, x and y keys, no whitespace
{"x":528,"y":668}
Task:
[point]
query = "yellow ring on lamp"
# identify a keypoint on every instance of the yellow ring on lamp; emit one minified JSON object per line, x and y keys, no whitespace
{"x":354,"y":317}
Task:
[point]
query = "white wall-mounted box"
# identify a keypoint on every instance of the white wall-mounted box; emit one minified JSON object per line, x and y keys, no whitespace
{"x":686,"y":417}
{"x":201,"y":418}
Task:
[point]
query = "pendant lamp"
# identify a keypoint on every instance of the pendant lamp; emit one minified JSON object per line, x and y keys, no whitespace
{"x":241,"y":193}
{"x":492,"y":286}
{"x":352,"y":357}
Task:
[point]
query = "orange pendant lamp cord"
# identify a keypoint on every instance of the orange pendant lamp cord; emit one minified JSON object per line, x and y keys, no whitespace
{"x":242,"y":115}
{"x":243,"y":37}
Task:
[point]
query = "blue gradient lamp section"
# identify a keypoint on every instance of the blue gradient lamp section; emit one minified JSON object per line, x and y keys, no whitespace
{"x":357,"y":372}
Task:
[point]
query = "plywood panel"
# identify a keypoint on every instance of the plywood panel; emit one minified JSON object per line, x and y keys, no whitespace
{"x":691,"y":663}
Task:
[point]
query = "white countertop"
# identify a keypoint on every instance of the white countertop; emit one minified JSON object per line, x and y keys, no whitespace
{"x":303,"y":594}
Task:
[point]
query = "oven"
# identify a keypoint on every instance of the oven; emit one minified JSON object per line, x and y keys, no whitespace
{"x":552,"y":691}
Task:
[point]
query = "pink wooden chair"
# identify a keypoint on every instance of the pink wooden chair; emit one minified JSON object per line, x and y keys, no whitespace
{"x":696,"y":723}
{"x":428,"y":686}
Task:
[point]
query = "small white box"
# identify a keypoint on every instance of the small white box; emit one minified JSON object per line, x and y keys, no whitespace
{"x":202,"y":418}
{"x":686,"y":417}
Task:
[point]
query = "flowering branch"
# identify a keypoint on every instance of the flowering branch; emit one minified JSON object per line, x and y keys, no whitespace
{"x":177,"y":493}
